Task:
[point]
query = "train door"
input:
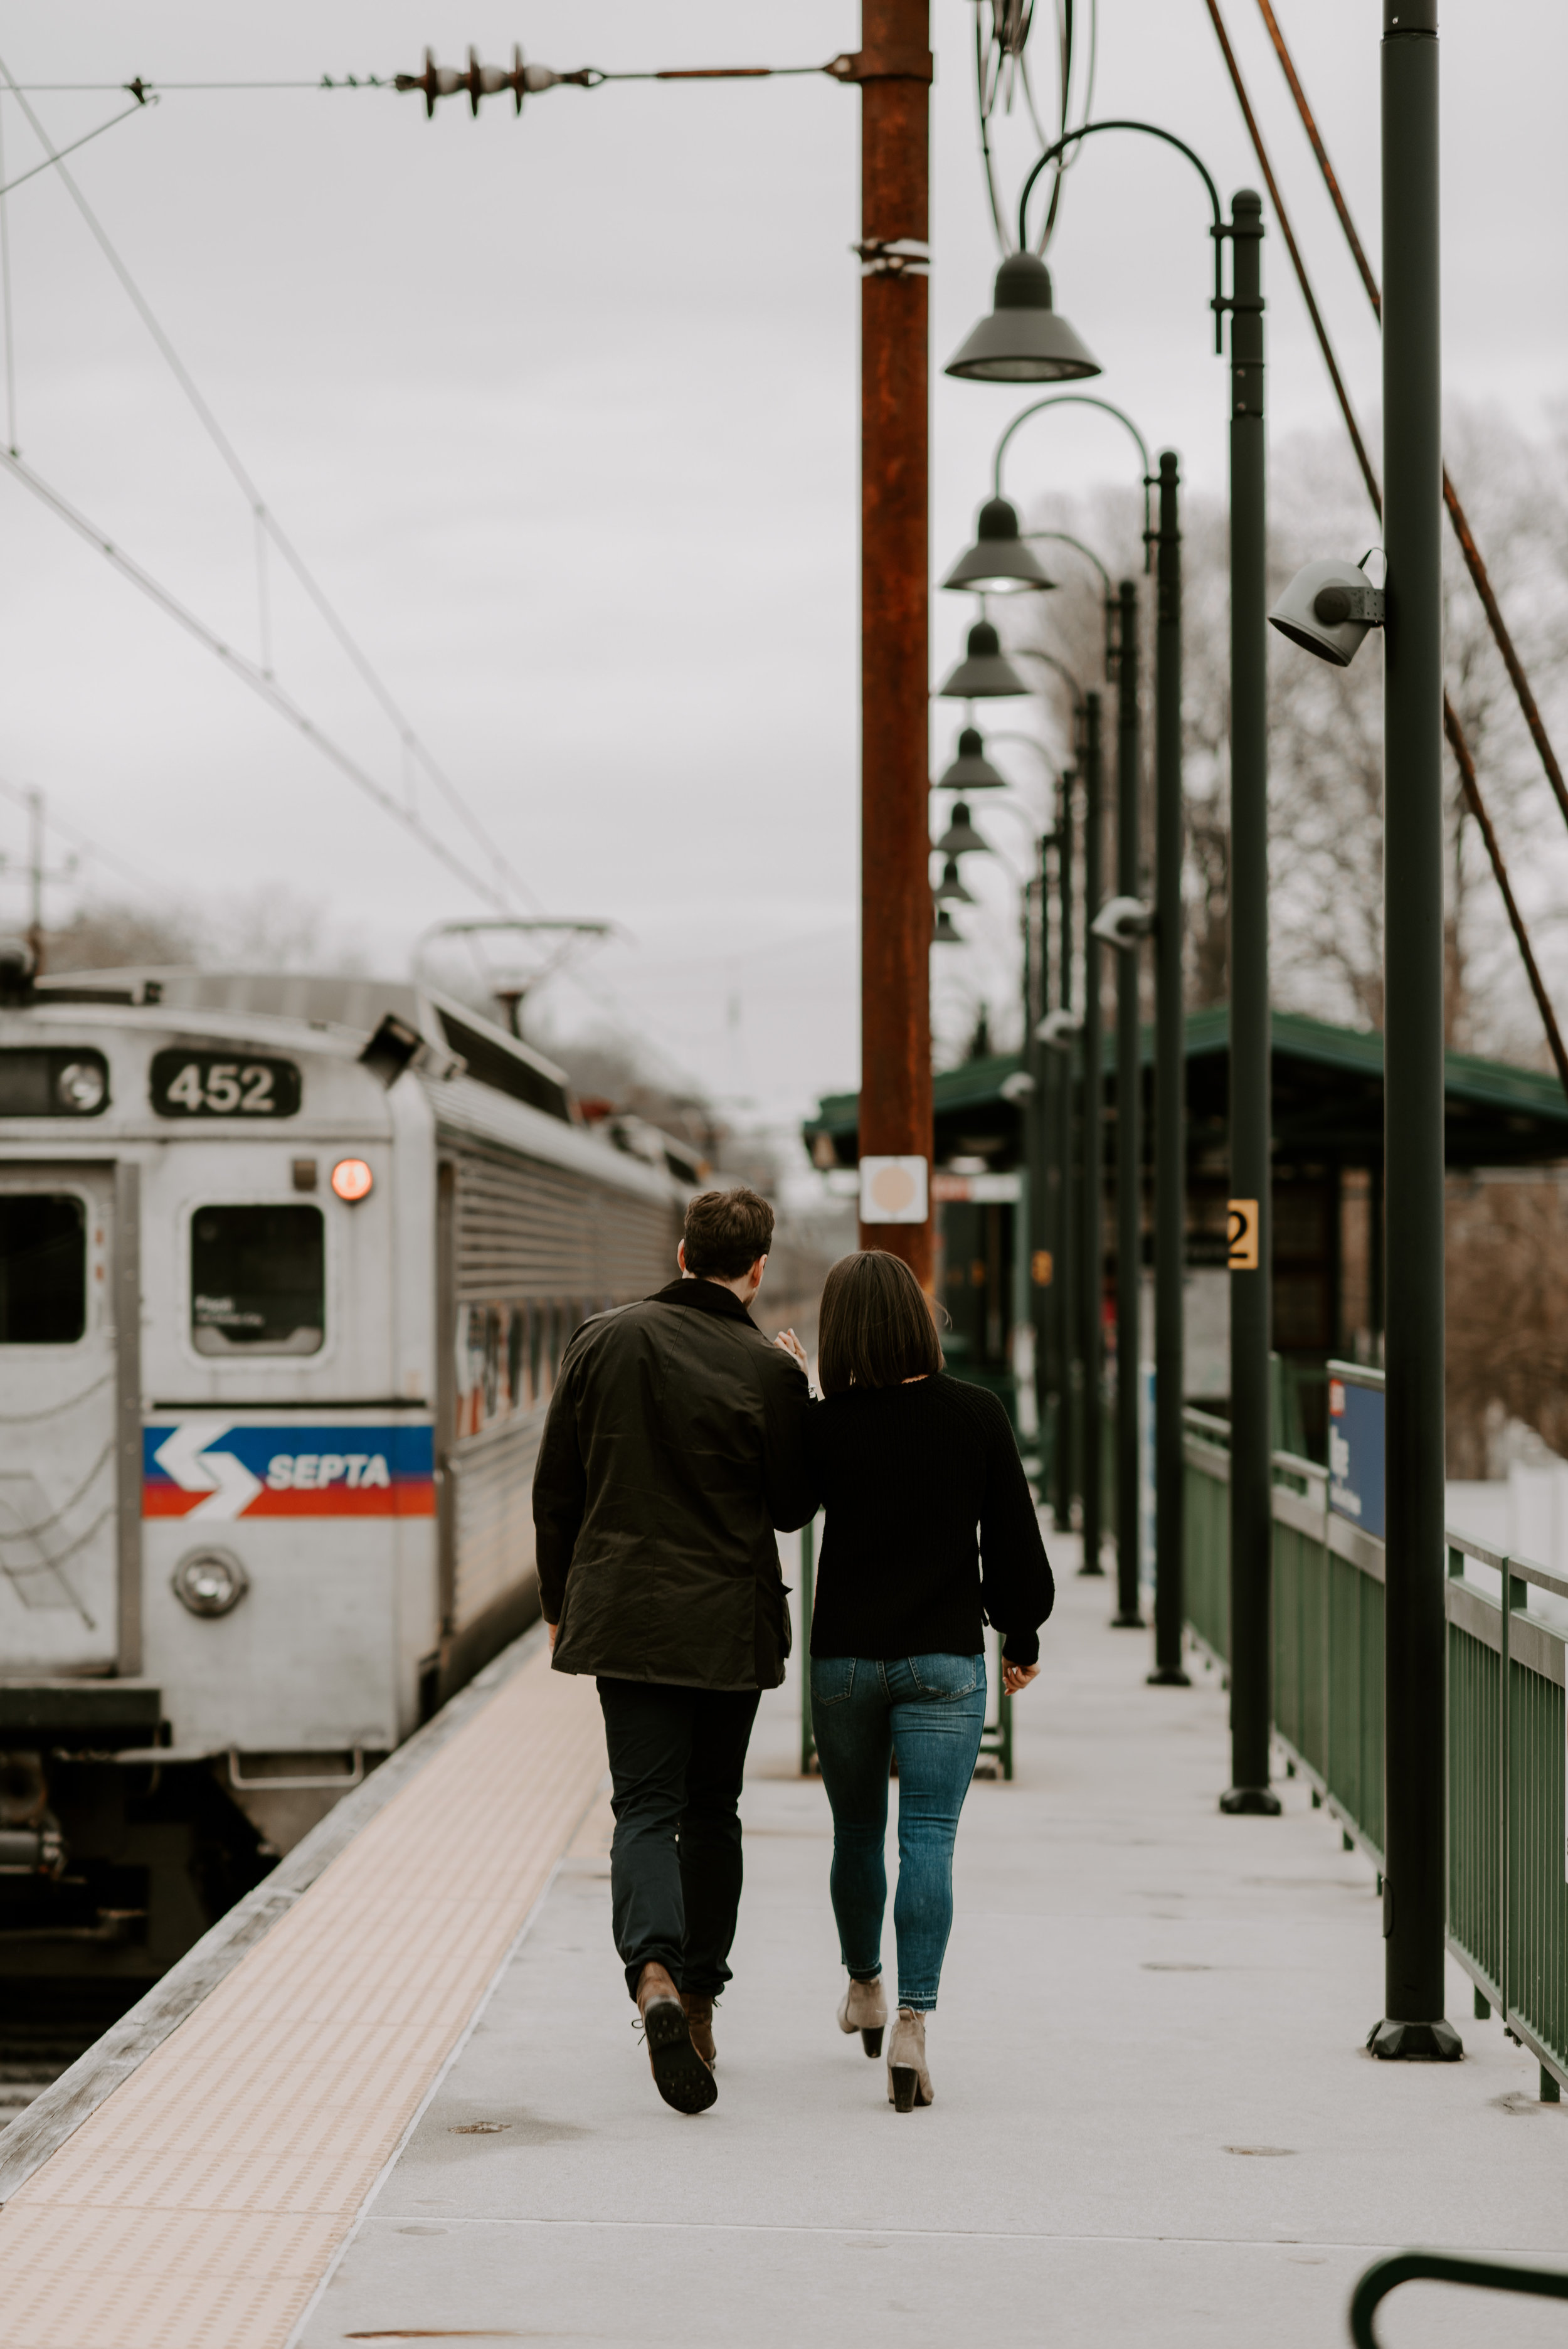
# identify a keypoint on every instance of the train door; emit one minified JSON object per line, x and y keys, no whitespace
{"x":64,"y":1352}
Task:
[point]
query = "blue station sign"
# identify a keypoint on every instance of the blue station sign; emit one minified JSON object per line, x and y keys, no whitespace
{"x":1355,"y":1446}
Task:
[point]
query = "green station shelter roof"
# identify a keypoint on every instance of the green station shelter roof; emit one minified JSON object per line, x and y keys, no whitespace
{"x":1327,"y":1099}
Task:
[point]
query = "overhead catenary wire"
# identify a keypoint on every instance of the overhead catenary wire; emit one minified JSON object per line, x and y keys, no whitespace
{"x":1453,"y":726}
{"x":51,"y":161}
{"x":266,"y":520}
{"x":1005,"y":47}
{"x":588,"y":76}
{"x":140,"y":83}
{"x":267,"y":688}
{"x":1479,"y":577}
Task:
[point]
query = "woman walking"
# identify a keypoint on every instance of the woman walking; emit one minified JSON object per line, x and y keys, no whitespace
{"x":908,"y":1464}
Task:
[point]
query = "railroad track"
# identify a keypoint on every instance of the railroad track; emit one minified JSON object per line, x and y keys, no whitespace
{"x":44,"y":2027}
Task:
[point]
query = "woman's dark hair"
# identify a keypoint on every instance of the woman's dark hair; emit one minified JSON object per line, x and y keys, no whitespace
{"x":876,"y":1328}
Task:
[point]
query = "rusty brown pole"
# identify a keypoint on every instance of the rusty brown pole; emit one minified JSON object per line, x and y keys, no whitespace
{"x":893,"y":68}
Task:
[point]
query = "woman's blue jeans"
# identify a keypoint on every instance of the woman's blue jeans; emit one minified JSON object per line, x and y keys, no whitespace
{"x":929,"y":1711}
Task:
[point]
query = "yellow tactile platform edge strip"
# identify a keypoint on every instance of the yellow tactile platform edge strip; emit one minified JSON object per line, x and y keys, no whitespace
{"x":200,"y":2205}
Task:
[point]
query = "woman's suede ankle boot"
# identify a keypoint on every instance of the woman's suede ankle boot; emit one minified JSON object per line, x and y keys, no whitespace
{"x":864,"y":2008}
{"x":908,"y":2080}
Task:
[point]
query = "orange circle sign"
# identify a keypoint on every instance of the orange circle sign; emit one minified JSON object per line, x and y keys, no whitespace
{"x":352,"y":1179}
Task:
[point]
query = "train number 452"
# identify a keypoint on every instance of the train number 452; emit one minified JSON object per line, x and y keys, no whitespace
{"x":187,"y":1085}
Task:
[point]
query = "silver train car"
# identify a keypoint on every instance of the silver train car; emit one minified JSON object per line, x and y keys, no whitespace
{"x":286,"y":1266}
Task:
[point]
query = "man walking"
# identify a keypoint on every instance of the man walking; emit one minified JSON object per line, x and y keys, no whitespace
{"x":674,"y":1445}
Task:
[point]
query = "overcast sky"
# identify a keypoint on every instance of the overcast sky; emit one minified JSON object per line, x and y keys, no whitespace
{"x":563,"y":414}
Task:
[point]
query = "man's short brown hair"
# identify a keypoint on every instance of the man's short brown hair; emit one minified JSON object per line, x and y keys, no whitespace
{"x":725,"y":1232}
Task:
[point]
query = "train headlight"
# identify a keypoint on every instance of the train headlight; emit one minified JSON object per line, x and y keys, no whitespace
{"x":80,"y":1087}
{"x":352,"y":1179}
{"x":210,"y":1581}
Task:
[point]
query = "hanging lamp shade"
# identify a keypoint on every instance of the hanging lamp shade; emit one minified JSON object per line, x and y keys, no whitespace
{"x":1000,"y":562}
{"x":961,"y":839}
{"x":950,"y":889}
{"x":943,"y":931}
{"x":985,"y":674}
{"x":1024,"y":340}
{"x":971,"y":770}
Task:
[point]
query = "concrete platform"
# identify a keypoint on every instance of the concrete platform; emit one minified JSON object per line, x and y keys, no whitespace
{"x":1155,"y":2121}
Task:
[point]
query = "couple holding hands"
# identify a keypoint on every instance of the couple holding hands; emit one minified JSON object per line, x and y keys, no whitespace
{"x":679,"y":1440}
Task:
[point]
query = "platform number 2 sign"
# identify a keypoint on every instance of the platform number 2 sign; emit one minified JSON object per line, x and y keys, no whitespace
{"x":1243,"y":1235}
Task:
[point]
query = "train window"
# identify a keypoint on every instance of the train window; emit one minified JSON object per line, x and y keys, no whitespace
{"x":43,"y":1269}
{"x":258,"y":1280}
{"x":516,"y":1331}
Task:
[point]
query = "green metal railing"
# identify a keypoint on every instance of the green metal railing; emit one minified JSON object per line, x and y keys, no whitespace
{"x":995,"y":1738}
{"x":1508,"y":1882}
{"x":1444,"y":2267}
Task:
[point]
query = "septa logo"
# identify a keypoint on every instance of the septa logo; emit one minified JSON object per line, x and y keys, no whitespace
{"x":207,"y":1468}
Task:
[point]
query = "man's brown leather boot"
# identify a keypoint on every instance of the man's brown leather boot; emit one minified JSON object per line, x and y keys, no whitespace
{"x":699,"y":2023}
{"x":681,"y":2077}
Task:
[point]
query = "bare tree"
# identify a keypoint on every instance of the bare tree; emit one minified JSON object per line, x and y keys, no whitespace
{"x":1325,"y":747}
{"x":106,"y":934}
{"x":1507,"y":1288}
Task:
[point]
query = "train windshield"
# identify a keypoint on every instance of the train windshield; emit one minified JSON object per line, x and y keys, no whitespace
{"x":258,"y":1280}
{"x":43,"y":1269}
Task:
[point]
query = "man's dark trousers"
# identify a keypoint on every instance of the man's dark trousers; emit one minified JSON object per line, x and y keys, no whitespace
{"x":677,"y":1759}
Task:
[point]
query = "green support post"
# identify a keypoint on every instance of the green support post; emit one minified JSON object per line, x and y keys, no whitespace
{"x":1129,"y":1122}
{"x":1044,"y":1187}
{"x":1091,"y":1205}
{"x":1413,"y":2023}
{"x":1170,"y":1096}
{"x":1252,"y":1450}
{"x":1069,"y":1416}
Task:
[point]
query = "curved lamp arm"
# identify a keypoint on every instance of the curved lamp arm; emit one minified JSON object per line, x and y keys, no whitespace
{"x":1031,"y":742}
{"x":1003,"y":803}
{"x":1065,"y":538}
{"x":1032,"y":652}
{"x":1084,"y":400}
{"x":1150,"y":131}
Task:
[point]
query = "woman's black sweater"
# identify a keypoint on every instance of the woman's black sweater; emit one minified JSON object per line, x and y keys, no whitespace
{"x":907,"y":1474}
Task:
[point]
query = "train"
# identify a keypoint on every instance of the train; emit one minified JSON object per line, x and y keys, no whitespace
{"x":286,"y":1267}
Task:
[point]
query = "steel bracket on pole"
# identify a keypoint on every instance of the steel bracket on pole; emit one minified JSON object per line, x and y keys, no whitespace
{"x":898,"y":257}
{"x":1123,"y":922}
{"x":882,"y":65}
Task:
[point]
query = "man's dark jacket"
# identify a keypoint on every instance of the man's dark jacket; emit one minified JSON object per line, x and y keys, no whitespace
{"x":674,"y":1445}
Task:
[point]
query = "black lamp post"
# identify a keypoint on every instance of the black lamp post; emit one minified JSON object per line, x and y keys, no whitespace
{"x":1042,"y":1109}
{"x":1251,"y":1217}
{"x":1092,"y":1300}
{"x":1085,"y":1384}
{"x":1415,"y":1630}
{"x":1170,"y":1101}
{"x":1057,"y":1031}
{"x":1128,"y":1125}
{"x":983,"y":559}
{"x":994,"y":352}
{"x":1076,"y":1239}
{"x":972,"y":769}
